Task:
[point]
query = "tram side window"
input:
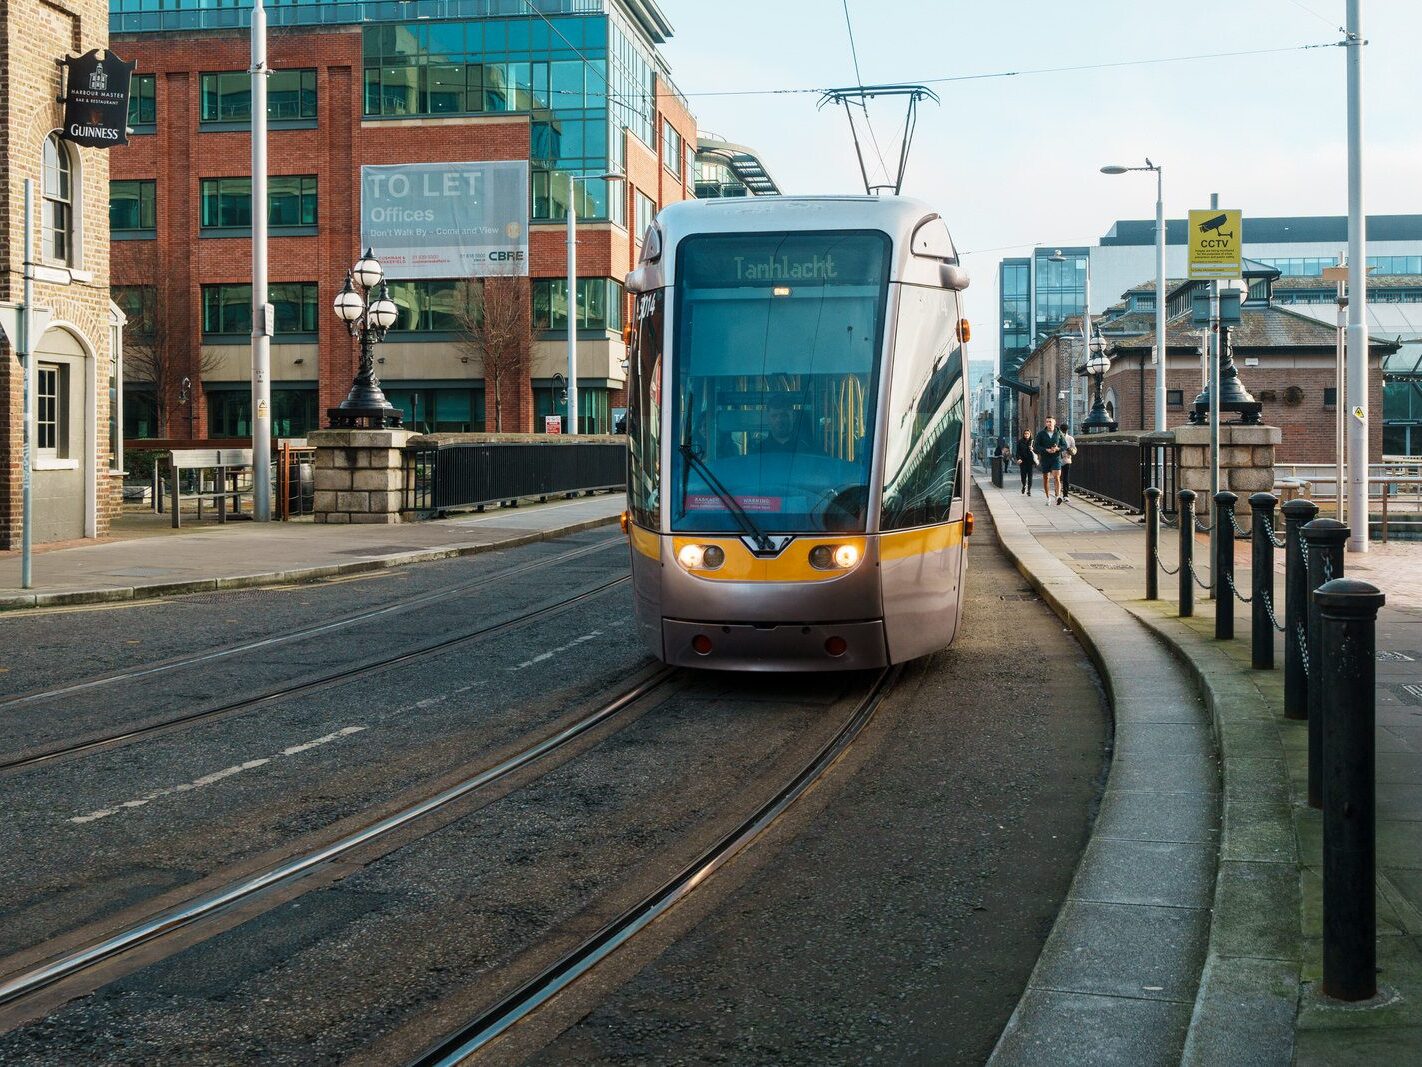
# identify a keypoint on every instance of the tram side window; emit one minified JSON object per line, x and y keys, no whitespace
{"x":644,"y":416}
{"x":924,"y":432}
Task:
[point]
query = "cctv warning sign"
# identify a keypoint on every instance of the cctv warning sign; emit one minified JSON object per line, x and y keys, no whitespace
{"x":1214,"y":240}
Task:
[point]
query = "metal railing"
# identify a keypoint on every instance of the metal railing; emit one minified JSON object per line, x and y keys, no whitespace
{"x":1118,"y":470}
{"x":448,"y":477}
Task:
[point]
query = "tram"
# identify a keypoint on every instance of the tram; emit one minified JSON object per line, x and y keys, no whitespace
{"x":797,"y":440}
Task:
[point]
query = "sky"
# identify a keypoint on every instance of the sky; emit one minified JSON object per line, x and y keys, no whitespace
{"x":1015,"y":161}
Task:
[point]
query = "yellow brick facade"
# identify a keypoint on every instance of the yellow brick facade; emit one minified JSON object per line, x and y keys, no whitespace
{"x":36,"y":33}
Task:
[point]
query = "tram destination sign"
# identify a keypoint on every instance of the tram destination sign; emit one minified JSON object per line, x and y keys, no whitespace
{"x":96,"y":99}
{"x":447,"y":220}
{"x":1215,"y":240}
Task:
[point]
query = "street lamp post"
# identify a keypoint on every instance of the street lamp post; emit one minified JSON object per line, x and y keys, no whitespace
{"x":573,"y":180}
{"x":364,"y":305}
{"x":1097,"y":364}
{"x":1159,"y":283}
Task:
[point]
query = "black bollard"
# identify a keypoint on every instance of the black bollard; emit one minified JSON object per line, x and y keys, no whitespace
{"x":1296,"y":513}
{"x":1152,"y":507}
{"x":1349,"y":609}
{"x":1324,"y":539}
{"x":1262,"y":507}
{"x":997,"y":471}
{"x":1223,"y":565}
{"x":1187,"y":552}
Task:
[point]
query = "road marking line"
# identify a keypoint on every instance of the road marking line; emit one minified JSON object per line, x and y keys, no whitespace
{"x":215,"y":776}
{"x":545,"y":656}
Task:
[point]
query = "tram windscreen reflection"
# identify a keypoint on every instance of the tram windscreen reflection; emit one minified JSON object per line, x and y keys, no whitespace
{"x":776,"y":364}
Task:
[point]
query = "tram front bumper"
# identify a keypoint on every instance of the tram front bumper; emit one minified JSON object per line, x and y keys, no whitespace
{"x":829,"y":646}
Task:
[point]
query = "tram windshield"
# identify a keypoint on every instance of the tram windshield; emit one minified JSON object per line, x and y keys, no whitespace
{"x":776,"y":366}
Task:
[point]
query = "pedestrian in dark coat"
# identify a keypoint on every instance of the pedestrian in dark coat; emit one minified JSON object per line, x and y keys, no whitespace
{"x":1026,"y":461}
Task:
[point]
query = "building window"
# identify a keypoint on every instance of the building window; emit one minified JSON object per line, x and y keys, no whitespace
{"x":132,"y":206}
{"x":227,"y":96}
{"x":427,"y":306}
{"x":143,"y":100}
{"x":646,"y":211}
{"x":58,"y":208}
{"x":227,"y":309}
{"x":229,"y":411}
{"x":1330,"y":396}
{"x":441,"y":409}
{"x":688,"y":164}
{"x":671,"y":149}
{"x":599,"y":304}
{"x":1175,"y":398}
{"x":48,"y":407}
{"x":227,"y":202}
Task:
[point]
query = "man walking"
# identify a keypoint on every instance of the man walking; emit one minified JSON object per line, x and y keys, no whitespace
{"x":1048,"y":445}
{"x":1068,"y":450}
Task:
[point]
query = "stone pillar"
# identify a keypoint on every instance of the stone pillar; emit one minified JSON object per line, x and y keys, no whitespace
{"x":360,"y":474}
{"x":1246,"y":461}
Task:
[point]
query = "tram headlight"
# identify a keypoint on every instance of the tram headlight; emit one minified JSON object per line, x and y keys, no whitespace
{"x":834,"y":557}
{"x":701,"y":557}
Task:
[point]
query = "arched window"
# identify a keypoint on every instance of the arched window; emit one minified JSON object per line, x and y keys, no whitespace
{"x":57,"y":211}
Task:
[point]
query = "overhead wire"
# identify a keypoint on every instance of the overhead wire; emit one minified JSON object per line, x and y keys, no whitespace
{"x":863,"y":102}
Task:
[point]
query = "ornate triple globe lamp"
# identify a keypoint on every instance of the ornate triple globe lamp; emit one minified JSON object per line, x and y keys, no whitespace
{"x":364,"y":305}
{"x":1097,"y":364}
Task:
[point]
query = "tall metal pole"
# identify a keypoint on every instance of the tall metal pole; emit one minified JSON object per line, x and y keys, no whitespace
{"x":1214,"y":411}
{"x":572,"y":426}
{"x":261,"y":340}
{"x":1357,"y":295}
{"x":1159,"y":300}
{"x":1085,"y":349}
{"x":27,"y":459}
{"x":1340,"y":402}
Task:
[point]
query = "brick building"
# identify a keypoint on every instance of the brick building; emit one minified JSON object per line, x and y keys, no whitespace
{"x":1286,"y":359}
{"x":74,"y":486}
{"x":574,"y":89}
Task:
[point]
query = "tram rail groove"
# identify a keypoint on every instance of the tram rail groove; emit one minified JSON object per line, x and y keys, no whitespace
{"x":172,"y":920}
{"x":349,"y":673}
{"x":341,"y":622}
{"x":458,"y":1046}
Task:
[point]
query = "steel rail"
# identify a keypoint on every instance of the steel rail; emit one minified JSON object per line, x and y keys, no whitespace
{"x":184,"y":915}
{"x":162,"y":666}
{"x":326,"y":681}
{"x":469,"y":1039}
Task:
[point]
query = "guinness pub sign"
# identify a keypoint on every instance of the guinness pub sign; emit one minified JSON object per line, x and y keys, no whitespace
{"x":96,"y":99}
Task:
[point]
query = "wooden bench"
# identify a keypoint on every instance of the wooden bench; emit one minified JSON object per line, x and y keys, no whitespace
{"x":225,"y":463}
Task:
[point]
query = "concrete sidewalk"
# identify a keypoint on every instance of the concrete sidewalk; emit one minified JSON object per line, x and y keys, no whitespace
{"x":1257,"y":1000}
{"x":245,"y":554}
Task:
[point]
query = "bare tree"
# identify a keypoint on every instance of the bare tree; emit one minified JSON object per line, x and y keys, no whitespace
{"x":154,"y":352}
{"x":494,"y":325}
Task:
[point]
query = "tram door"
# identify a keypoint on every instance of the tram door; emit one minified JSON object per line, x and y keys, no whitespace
{"x":920,"y":545}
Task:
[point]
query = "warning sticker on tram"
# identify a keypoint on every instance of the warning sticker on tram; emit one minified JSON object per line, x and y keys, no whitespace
{"x":1215,"y":237}
{"x":708,"y":502}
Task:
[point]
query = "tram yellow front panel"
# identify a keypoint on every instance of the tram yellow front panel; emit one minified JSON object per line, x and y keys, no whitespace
{"x":901,"y":544}
{"x":792,"y":565}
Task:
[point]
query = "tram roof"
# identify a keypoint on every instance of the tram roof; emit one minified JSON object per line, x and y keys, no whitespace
{"x":898,"y":216}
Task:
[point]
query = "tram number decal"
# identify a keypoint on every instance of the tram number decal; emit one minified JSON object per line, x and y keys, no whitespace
{"x":646,"y":306}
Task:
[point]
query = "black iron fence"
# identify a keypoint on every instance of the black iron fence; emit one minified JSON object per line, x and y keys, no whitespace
{"x":1117,"y":469}
{"x":445,"y":477}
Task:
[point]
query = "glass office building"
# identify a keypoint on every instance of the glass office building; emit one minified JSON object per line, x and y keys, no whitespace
{"x":1036,"y":294}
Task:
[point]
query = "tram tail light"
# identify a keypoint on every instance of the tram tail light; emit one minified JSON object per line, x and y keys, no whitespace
{"x":836,"y":646}
{"x":834,"y":557}
{"x":968,"y":525}
{"x":701,"y":645}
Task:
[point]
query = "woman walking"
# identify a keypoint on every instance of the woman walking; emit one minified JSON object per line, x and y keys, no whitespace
{"x":1026,"y":461}
{"x":1048,"y":445}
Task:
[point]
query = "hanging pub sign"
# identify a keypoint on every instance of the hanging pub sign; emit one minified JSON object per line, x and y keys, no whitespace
{"x":96,"y":99}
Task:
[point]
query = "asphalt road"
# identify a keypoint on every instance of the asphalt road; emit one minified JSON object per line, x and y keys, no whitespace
{"x":893,"y":915}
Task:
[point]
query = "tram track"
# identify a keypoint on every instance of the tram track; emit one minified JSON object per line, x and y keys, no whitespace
{"x":348,"y":673}
{"x":468,"y":1040}
{"x":34,"y":979}
{"x":149,"y":670}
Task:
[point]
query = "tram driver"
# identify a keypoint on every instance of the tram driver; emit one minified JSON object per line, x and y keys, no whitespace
{"x":785,"y":433}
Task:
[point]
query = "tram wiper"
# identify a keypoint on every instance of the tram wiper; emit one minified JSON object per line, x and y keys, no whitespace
{"x":693,"y":458}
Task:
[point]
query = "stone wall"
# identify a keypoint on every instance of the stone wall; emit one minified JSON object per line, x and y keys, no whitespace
{"x":1247,"y":455}
{"x":359,"y":475}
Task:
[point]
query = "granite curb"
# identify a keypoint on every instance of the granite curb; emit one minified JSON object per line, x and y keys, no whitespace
{"x":1118,"y":979}
{"x":23,"y":601}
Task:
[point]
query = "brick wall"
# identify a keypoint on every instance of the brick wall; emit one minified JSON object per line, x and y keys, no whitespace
{"x":35,"y":34}
{"x":178,"y":156}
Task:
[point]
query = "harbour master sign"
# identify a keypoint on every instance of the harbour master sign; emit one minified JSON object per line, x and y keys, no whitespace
{"x":446,"y":220}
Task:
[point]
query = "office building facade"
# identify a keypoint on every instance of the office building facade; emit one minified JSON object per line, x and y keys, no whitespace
{"x":572,"y":88}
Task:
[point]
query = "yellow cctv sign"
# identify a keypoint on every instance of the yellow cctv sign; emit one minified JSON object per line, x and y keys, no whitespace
{"x":1214,"y":240}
